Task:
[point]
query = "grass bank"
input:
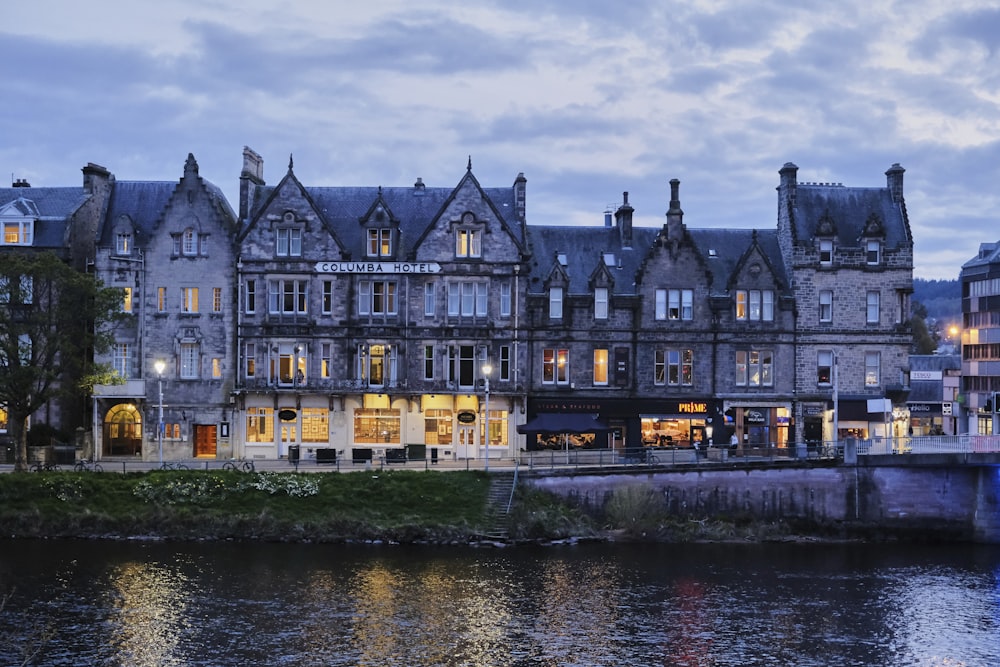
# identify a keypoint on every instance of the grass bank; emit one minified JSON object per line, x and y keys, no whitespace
{"x":405,"y":506}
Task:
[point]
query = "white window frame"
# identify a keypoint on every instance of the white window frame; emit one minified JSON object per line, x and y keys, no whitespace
{"x":190,"y":361}
{"x":250,"y":296}
{"x":601,"y":366}
{"x":429,"y":299}
{"x":555,"y":366}
{"x":468,"y":243}
{"x":826,"y":252}
{"x":826,"y":305}
{"x":287,"y":296}
{"x":505,"y":298}
{"x":288,"y":242}
{"x":327,"y":306}
{"x":825,"y":359}
{"x":216,"y":299}
{"x":18,"y":232}
{"x":325,"y":359}
{"x":189,"y":242}
{"x":250,"y":360}
{"x":873,"y":252}
{"x":123,"y":243}
{"x":380,"y":242}
{"x":121,"y":360}
{"x":189,"y":300}
{"x":872,"y":309}
{"x":555,"y":303}
{"x":873,"y":368}
{"x":600,"y":303}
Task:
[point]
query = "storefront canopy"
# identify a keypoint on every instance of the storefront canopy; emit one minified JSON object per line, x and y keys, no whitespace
{"x":563,"y":422}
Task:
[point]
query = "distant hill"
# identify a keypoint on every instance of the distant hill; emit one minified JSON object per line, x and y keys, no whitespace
{"x":941,"y":298}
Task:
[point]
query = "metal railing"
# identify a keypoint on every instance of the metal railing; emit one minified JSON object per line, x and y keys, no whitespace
{"x":930,"y":444}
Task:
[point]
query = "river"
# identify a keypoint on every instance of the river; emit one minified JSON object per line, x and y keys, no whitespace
{"x":157,"y":604}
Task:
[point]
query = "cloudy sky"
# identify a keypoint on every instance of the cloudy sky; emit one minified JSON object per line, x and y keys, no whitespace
{"x":588,"y":98}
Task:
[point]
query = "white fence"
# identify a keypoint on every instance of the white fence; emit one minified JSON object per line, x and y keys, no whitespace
{"x":931,"y":444}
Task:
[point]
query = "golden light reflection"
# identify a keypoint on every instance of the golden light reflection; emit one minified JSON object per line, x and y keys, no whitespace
{"x":150,"y":609}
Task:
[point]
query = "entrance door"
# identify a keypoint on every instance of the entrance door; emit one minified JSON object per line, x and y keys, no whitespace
{"x":289,"y":436}
{"x":466,"y":441}
{"x":204,"y":440}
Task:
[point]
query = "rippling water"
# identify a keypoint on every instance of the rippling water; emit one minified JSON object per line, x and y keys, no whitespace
{"x":139,"y":604}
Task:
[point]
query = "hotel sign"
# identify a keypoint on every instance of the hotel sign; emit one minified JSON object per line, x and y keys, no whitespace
{"x":378,"y":267}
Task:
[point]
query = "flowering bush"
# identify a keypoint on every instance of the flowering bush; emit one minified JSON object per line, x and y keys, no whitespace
{"x":201,"y":488}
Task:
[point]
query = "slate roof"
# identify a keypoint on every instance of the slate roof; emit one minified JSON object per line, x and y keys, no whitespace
{"x":51,"y":208}
{"x":584,"y":249}
{"x":849,"y":208}
{"x":414,"y":207}
{"x":989,"y":253}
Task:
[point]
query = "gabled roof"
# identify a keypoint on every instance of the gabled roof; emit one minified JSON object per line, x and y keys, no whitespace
{"x":416,"y":207}
{"x":51,"y":208}
{"x":725,"y":251}
{"x":143,"y":202}
{"x":849,"y":209}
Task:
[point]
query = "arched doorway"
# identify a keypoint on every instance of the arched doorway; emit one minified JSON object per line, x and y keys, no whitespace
{"x":123,"y":431}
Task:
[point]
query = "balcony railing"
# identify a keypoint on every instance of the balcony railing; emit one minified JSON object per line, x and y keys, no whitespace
{"x":931,"y":444}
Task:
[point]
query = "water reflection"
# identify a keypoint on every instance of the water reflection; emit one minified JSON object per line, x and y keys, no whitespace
{"x":709,"y":605}
{"x":148,"y":612}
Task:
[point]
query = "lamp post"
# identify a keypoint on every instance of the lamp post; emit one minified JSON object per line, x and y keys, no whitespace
{"x":487,"y":369}
{"x":160,"y":365}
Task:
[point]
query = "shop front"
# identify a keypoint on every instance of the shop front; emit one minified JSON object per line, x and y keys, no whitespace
{"x":761,"y":425}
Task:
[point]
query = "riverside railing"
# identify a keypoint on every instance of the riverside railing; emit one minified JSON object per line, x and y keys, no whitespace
{"x":930,"y":444}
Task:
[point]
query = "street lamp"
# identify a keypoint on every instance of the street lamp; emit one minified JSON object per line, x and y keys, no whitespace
{"x":160,"y":365}
{"x":487,"y":369}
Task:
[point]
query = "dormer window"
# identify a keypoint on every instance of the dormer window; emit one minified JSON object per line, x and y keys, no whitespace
{"x":873,"y":252}
{"x":555,"y":303}
{"x":826,"y":252}
{"x":380,"y":242}
{"x":18,"y":233}
{"x":123,"y":244}
{"x":561,"y":258}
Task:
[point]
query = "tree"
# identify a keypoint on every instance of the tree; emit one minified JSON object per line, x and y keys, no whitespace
{"x":52,"y":320}
{"x":923,"y":341}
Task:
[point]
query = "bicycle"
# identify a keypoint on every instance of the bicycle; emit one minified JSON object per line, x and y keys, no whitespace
{"x":241,"y":465}
{"x":88,"y":465}
{"x":44,"y":467}
{"x":167,"y":465}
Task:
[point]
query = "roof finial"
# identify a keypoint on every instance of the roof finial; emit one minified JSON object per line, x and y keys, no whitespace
{"x":289,"y":162}
{"x":468,"y":167}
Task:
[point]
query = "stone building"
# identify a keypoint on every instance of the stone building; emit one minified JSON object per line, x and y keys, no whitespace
{"x":371,"y":318}
{"x":169,"y":247}
{"x":61,"y":220}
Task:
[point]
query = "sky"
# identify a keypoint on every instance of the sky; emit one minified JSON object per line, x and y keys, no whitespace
{"x":587,"y":98}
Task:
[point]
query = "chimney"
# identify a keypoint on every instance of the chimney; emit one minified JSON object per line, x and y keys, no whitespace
{"x":788,"y":183}
{"x":94,"y":175}
{"x":252,"y":175}
{"x":520,"y":196}
{"x":418,"y":187}
{"x":623,"y":218}
{"x":607,"y":217}
{"x":675,"y":216}
{"x":894,"y":179}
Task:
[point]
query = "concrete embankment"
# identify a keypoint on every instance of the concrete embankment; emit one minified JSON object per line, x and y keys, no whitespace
{"x":945,"y":502}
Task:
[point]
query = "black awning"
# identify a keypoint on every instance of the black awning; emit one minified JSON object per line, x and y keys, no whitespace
{"x":563,"y":422}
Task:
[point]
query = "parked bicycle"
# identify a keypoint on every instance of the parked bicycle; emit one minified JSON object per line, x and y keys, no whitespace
{"x":168,"y":465}
{"x":241,"y":465}
{"x":40,"y":466}
{"x":88,"y":465}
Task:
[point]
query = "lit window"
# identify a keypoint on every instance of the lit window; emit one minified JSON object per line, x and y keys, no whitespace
{"x":379,"y":242}
{"x":872,"y":369}
{"x":161,"y":299}
{"x":754,"y":368}
{"x":127,"y":300}
{"x":260,"y":424}
{"x":377,"y":364}
{"x":189,"y":299}
{"x":468,"y":243}
{"x":123,"y":244}
{"x":17,"y":233}
{"x":326,"y":349}
{"x":601,"y":303}
{"x":824,"y":367}
{"x":600,"y":367}
{"x":555,"y":366}
{"x":216,"y":367}
{"x":315,"y":425}
{"x":250,"y":359}
{"x":741,"y":304}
